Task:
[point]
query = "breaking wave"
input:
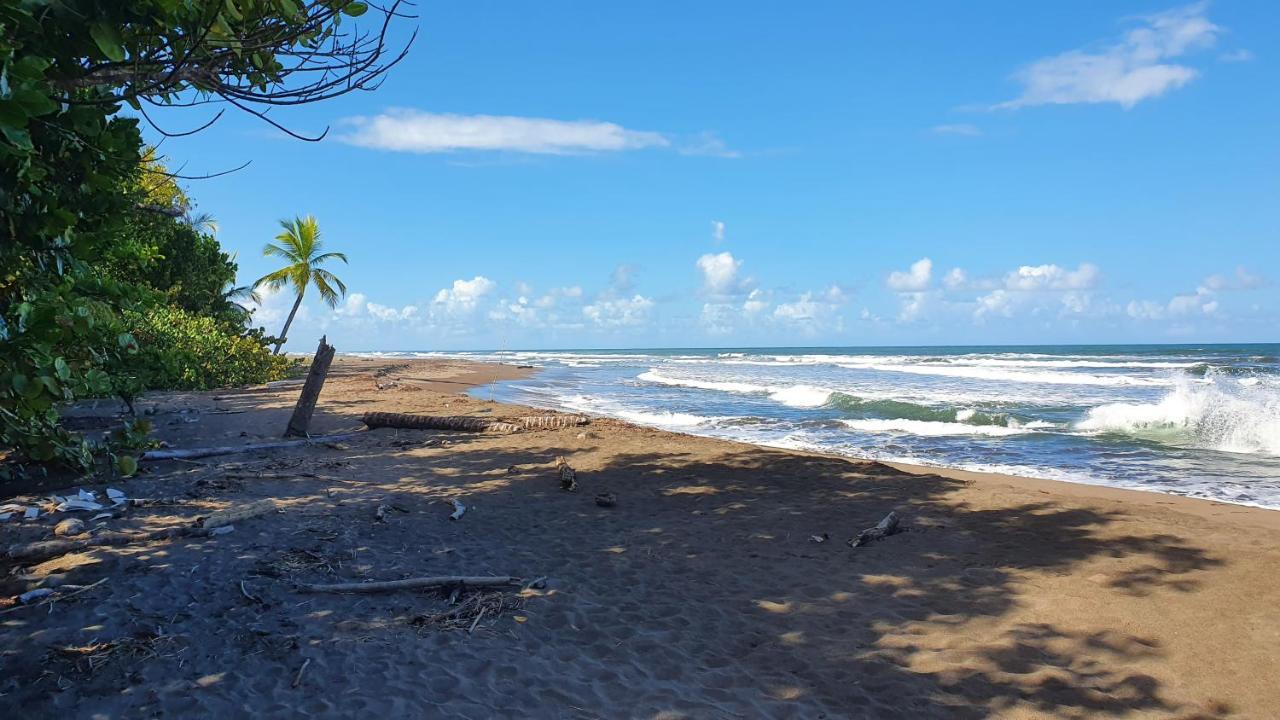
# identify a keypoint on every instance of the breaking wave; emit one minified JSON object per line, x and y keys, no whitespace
{"x":1240,"y":416}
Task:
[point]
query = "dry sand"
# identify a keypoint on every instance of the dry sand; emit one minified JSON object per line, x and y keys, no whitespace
{"x":701,"y":594}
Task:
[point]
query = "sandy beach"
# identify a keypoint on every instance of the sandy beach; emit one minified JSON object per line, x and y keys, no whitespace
{"x":720,"y":584}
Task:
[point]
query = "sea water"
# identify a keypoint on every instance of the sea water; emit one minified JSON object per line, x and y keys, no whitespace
{"x":1198,"y":420}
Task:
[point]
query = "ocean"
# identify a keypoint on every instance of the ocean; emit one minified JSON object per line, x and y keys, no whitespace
{"x":1197,"y":420}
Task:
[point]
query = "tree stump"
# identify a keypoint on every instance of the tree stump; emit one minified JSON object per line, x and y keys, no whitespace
{"x":301,"y":420}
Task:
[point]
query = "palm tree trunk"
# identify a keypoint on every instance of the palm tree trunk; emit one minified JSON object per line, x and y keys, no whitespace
{"x":284,"y":334}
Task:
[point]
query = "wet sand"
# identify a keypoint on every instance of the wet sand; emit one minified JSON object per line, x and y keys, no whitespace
{"x":703,"y":593}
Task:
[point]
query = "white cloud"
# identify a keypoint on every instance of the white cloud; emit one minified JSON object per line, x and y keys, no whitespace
{"x":996,"y":302}
{"x":913,"y":306}
{"x":756,"y":303}
{"x":274,"y":307}
{"x":964,"y":129}
{"x":707,"y":144}
{"x":717,"y":230}
{"x":463,"y":296}
{"x":384,"y":312}
{"x":408,"y":130}
{"x":1125,"y":72}
{"x":619,"y":312}
{"x":720,"y":273}
{"x":956,"y":279}
{"x":913,"y":280}
{"x":1236,"y":56}
{"x":1052,"y":277}
{"x":1244,"y":279}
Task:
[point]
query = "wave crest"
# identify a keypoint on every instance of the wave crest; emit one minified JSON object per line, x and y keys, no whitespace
{"x":1227,"y":415}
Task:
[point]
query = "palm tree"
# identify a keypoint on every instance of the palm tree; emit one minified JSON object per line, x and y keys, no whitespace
{"x":301,"y":247}
{"x":234,"y":300}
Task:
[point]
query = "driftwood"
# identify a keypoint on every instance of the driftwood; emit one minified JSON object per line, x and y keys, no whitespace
{"x":192,"y":453}
{"x":568,"y":476}
{"x":218,"y":518}
{"x":207,"y":526}
{"x":883,"y":529}
{"x":466,"y":423}
{"x":412,"y":584}
{"x":301,"y":420}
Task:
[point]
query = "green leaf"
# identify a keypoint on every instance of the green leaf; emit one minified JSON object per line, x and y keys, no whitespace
{"x":34,"y":102}
{"x":355,"y":9}
{"x":20,"y":384}
{"x":127,"y":465}
{"x":62,"y":369}
{"x":108,"y":41}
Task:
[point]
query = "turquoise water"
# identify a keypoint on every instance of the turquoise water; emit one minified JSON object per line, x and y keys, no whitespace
{"x":1199,"y":420}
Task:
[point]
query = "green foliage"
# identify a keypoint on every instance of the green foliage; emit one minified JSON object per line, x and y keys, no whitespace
{"x":78,"y":252}
{"x":184,"y":351}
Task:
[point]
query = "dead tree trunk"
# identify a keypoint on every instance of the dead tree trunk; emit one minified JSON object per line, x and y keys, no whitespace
{"x":406,"y":421}
{"x":301,"y":420}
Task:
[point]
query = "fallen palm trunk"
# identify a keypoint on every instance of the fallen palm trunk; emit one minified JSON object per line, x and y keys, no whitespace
{"x":193,"y":453}
{"x":53,"y":548}
{"x":412,"y":584}
{"x":883,"y":529}
{"x":464,"y":423}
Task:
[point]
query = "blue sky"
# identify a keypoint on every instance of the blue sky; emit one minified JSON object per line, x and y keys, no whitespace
{"x":573,"y":174}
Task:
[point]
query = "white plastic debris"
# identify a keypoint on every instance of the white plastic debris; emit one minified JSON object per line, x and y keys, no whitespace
{"x":87,"y":495}
{"x":76,"y":503}
{"x":4,"y":517}
{"x":32,"y":595}
{"x":223,"y":530}
{"x":101,"y":516}
{"x":116,"y":496}
{"x":32,"y":513}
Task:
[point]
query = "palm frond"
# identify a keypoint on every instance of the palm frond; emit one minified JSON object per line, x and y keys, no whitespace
{"x":320,"y":259}
{"x":276,"y":279}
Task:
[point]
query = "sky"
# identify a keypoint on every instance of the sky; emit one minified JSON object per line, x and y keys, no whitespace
{"x":728,"y":174}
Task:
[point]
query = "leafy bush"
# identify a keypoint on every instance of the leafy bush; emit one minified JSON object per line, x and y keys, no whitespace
{"x":182,"y":351}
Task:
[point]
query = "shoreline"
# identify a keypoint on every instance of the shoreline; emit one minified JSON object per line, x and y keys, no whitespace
{"x":717,"y":580}
{"x":1070,"y":487}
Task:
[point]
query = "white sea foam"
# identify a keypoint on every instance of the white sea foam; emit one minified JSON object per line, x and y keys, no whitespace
{"x":1046,"y":377}
{"x":1221,"y":414}
{"x":931,"y":428}
{"x":799,"y":396}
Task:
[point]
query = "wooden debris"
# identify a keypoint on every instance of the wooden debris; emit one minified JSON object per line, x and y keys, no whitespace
{"x":606,"y":499}
{"x":467,"y":423}
{"x":883,"y":529}
{"x":568,"y":476}
{"x":411,"y":584}
{"x":458,"y":509}
{"x":218,"y":518}
{"x":300,"y":422}
{"x":49,"y":597}
{"x":297,"y":680}
{"x":192,"y":453}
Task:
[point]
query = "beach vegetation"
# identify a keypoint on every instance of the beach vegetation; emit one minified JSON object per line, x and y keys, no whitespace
{"x":99,"y":246}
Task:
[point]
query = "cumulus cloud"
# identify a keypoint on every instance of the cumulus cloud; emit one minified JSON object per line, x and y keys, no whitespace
{"x":619,"y":312}
{"x":1052,"y":277}
{"x":408,"y":130}
{"x":1127,"y":71}
{"x":913,"y":280}
{"x":274,"y":305}
{"x":1243,"y":279}
{"x":720,"y":273}
{"x":463,"y":296}
{"x":717,"y":230}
